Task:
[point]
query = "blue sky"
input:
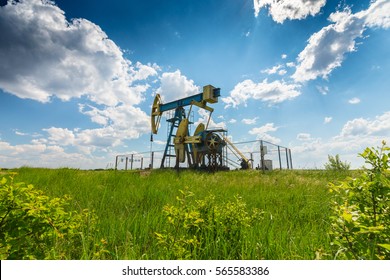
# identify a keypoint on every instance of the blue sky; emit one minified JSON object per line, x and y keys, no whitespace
{"x":77,"y":78}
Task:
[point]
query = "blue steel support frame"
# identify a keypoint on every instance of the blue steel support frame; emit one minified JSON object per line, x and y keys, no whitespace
{"x":175,"y":121}
{"x":178,"y":105}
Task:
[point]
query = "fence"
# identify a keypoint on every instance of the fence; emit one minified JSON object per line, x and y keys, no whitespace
{"x":134,"y":161}
{"x":261,"y":154}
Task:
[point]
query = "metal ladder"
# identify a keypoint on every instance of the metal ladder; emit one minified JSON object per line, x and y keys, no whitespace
{"x":173,"y":124}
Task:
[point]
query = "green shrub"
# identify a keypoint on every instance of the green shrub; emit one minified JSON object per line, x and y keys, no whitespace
{"x":205,"y":229}
{"x":34,"y":226}
{"x":334,"y":163}
{"x":361,"y":211}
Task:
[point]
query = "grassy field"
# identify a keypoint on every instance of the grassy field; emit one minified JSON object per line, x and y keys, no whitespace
{"x":132,"y":207}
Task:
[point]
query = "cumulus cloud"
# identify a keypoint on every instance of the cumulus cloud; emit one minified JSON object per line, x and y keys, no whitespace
{"x":62,"y":136}
{"x":20,"y":133}
{"x":355,"y":127}
{"x":43,"y":54}
{"x":327,"y":120}
{"x":276,"y":69}
{"x":262,"y":133}
{"x":249,"y":121}
{"x":365,"y":127}
{"x":282,"y":72}
{"x":174,"y":86}
{"x":121,"y":123}
{"x":304,"y":137}
{"x":354,"y":100}
{"x":129,"y":121}
{"x":263,"y":129}
{"x":43,"y":155}
{"x":271,"y":92}
{"x":204,"y":117}
{"x":354,"y":137}
{"x":327,"y":48}
{"x":272,"y":70}
{"x":290,"y":64}
{"x":359,"y":133}
{"x":378,"y":14}
{"x":289,"y":9}
{"x":48,"y":55}
{"x":323,"y":89}
{"x":86,"y":141}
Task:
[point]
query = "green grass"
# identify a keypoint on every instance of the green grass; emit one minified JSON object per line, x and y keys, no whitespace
{"x":129,"y":206}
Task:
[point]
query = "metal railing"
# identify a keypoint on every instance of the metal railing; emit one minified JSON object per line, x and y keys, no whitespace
{"x":263,"y":155}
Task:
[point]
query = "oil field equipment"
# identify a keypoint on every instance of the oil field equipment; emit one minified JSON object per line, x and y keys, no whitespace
{"x":204,"y":148}
{"x":245,"y":162}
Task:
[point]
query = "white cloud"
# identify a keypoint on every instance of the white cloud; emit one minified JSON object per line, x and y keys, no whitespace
{"x":269,"y":127}
{"x":204,"y":117}
{"x":174,"y":86}
{"x":249,"y":121}
{"x":47,"y":55}
{"x":284,"y":56}
{"x":282,"y":72}
{"x":304,"y":137}
{"x":17,"y":132}
{"x":122,"y":124}
{"x":323,"y":89}
{"x":142,"y":72}
{"x":365,"y":127}
{"x":272,"y":70}
{"x":327,"y":120}
{"x":256,"y":7}
{"x":277,"y":69}
{"x":262,"y":133}
{"x":103,"y":138}
{"x":8,"y":149}
{"x":354,"y":100}
{"x":354,"y":137}
{"x":327,"y":48}
{"x":61,"y":136}
{"x":273,"y":92}
{"x":289,"y":9}
{"x":127,"y":122}
{"x":42,"y":155}
{"x":233,"y":121}
{"x":119,"y":123}
{"x":355,"y":127}
{"x":290,"y":64}
{"x":378,"y":15}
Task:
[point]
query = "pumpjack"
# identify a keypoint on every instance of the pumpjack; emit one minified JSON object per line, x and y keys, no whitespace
{"x":204,"y":149}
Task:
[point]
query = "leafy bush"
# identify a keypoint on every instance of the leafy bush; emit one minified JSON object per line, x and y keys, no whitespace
{"x":336,"y":164}
{"x":361,"y":212}
{"x":201,"y":229}
{"x":34,"y":226}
